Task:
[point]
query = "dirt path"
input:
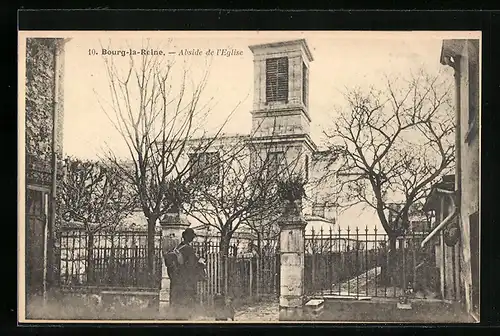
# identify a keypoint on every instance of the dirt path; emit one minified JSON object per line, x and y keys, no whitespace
{"x":258,"y":312}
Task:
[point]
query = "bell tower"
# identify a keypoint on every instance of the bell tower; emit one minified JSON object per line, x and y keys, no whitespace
{"x":280,"y":111}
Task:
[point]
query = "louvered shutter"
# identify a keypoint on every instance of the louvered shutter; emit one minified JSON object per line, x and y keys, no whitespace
{"x":277,"y":79}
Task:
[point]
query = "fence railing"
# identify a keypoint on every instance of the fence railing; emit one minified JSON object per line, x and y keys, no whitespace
{"x":108,"y":259}
{"x":350,"y":262}
{"x":240,"y":275}
{"x":361,"y":263}
{"x":119,"y":260}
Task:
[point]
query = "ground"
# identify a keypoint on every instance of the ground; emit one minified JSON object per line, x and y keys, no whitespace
{"x":264,"y":311}
{"x":380,"y":310}
{"x":87,"y":308}
{"x":374,"y":310}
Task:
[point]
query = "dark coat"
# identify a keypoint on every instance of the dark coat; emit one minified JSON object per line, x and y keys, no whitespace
{"x":183,"y":284}
{"x":188,"y":272}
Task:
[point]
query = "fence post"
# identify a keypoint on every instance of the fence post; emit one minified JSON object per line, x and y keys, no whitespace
{"x":313,"y":261}
{"x":172,"y":227}
{"x":250,"y":285}
{"x":292,"y":248}
{"x":403,"y":287}
{"x":226,"y":273}
{"x":414,"y":257}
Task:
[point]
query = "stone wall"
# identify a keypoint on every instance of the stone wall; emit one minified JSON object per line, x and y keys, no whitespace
{"x":44,"y":63}
{"x":469,"y":203}
{"x":44,"y":97}
{"x":283,"y":123}
{"x":95,"y":304}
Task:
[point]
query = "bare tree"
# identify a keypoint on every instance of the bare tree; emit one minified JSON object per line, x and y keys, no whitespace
{"x":266,"y":231}
{"x":394,"y":144}
{"x":240,"y":187}
{"x":157,"y":111}
{"x":95,"y":195}
{"x":238,"y":184}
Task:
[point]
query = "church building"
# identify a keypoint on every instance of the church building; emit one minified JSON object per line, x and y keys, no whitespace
{"x":281,"y":124}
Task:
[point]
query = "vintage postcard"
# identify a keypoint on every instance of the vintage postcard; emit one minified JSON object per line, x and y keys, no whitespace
{"x":249,"y":176}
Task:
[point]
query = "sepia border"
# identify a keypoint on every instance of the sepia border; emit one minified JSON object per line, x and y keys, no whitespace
{"x":22,"y":35}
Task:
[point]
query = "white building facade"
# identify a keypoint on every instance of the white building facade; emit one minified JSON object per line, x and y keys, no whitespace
{"x":281,"y":130}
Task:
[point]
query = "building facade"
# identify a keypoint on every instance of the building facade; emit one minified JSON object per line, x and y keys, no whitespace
{"x":43,"y":127}
{"x":281,"y":133}
{"x":463,"y":213}
{"x":281,"y":122}
{"x":444,"y":246}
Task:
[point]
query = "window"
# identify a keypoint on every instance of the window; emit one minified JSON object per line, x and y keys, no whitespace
{"x":318,"y":209}
{"x":277,"y":79}
{"x":205,"y":166}
{"x":305,"y":88}
{"x":275,"y":164}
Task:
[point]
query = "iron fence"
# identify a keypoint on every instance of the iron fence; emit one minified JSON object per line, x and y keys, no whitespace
{"x":353,"y":262}
{"x":362,"y":263}
{"x":240,"y":275}
{"x":108,"y":259}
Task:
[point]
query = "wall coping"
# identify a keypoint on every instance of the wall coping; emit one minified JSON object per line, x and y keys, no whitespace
{"x":295,"y":221}
{"x":174,"y":220}
{"x":95,"y":289}
{"x":126,"y":292}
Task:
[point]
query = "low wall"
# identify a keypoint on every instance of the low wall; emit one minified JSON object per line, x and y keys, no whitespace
{"x":386,"y":311}
{"x":118,"y":300}
{"x":93,"y":303}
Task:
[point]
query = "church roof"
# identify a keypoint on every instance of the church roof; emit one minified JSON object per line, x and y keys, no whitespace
{"x":301,"y":42}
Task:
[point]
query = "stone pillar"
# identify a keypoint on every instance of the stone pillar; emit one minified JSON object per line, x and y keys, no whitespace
{"x":172,"y":227}
{"x":292,"y":248}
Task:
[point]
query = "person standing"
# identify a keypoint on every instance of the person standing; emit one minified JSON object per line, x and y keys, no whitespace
{"x":184,"y":281}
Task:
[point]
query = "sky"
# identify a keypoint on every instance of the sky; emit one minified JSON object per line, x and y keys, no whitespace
{"x":341,"y":61}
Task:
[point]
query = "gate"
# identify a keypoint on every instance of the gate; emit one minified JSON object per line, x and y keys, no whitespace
{"x":37,"y":205}
{"x":249,"y":275}
{"x":359,"y":263}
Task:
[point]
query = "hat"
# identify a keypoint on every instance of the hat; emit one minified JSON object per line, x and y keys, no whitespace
{"x":188,"y":233}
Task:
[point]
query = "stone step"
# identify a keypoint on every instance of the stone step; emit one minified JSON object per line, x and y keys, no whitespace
{"x":406,"y":306}
{"x":346,"y":297}
{"x":314,"y":308}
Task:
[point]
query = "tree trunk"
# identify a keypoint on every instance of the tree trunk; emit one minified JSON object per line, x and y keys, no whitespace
{"x":259,"y":244}
{"x":151,"y":249}
{"x":224,"y":245}
{"x":388,"y":261}
{"x":90,"y":263}
{"x":224,"y":253}
{"x":392,"y":261}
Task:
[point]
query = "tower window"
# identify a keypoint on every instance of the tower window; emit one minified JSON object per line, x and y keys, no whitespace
{"x":306,"y":168}
{"x":205,"y":167}
{"x":275,"y":164}
{"x":319,"y":209}
{"x":277,"y":79}
{"x":305,"y":88}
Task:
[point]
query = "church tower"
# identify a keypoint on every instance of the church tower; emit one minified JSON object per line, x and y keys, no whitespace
{"x":280,"y":114}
